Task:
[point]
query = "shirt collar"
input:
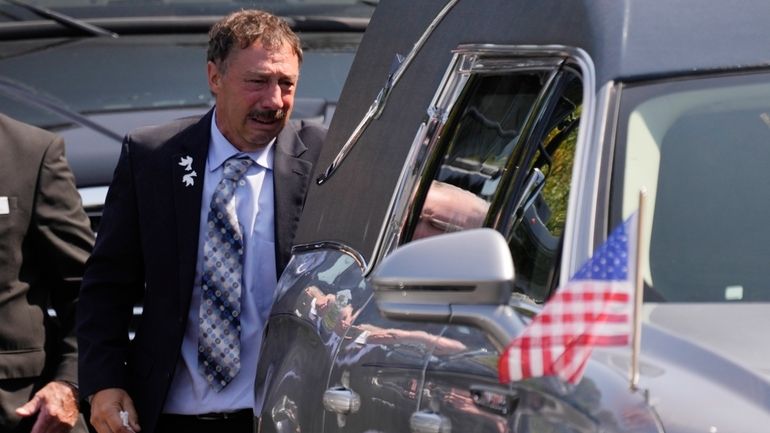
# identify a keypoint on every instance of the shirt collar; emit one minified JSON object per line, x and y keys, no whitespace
{"x":221,"y":149}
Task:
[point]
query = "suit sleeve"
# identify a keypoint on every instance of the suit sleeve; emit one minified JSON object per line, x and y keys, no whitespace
{"x":112,"y":284}
{"x":65,"y":237}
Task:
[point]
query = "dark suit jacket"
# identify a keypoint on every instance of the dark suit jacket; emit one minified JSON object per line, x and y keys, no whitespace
{"x":45,"y":238}
{"x":146,"y":251}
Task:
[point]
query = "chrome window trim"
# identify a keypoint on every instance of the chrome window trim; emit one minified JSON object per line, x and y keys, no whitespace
{"x":467,"y":59}
{"x":530,"y":51}
{"x":482,"y":61}
{"x":582,"y":204}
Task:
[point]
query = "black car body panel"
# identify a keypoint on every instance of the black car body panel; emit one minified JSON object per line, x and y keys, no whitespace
{"x":555,"y":113}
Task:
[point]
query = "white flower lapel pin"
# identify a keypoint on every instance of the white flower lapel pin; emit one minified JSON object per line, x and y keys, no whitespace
{"x":186,"y":162}
{"x":188,"y":179}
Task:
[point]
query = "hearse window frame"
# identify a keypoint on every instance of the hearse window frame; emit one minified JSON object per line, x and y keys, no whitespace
{"x":427,"y":148}
{"x":444,"y":141}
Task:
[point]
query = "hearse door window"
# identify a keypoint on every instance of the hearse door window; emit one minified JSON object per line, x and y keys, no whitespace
{"x":528,"y":205}
{"x":536,"y":208}
{"x":483,"y":134}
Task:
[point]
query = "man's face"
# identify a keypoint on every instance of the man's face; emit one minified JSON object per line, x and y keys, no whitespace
{"x":254,"y":93}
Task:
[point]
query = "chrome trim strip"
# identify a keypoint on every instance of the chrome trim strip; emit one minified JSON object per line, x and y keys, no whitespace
{"x":378,"y":105}
{"x":423,"y":38}
{"x":518,"y":50}
{"x":480,"y":65}
{"x":578,"y":245}
{"x":331,"y":245}
{"x":93,"y":196}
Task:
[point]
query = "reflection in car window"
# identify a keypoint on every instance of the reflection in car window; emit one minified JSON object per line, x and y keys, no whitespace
{"x":700,"y":148}
{"x":483,"y":134}
{"x":540,"y":213}
{"x":333,"y":291}
{"x":483,"y":141}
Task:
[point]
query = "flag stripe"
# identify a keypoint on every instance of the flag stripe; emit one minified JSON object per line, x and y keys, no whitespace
{"x":526,"y":370}
{"x":591,"y":296}
{"x":503,"y":372}
{"x":527,"y":344}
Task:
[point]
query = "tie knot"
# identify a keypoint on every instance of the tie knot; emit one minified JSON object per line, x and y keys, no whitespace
{"x":236,"y":167}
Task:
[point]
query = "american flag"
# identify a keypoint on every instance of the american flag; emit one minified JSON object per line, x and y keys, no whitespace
{"x":594,"y":308}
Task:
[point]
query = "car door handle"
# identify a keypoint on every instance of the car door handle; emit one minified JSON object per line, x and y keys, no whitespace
{"x":429,"y":422}
{"x":341,"y":400}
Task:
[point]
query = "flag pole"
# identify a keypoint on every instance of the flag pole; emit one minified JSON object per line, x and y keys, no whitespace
{"x":636,"y":332}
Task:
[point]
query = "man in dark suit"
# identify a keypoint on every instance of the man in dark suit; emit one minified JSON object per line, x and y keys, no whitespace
{"x":197,"y":225}
{"x":45,"y":238}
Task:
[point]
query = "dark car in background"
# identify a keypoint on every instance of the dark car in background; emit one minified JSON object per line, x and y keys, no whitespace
{"x":540,"y":122}
{"x":94,"y":70}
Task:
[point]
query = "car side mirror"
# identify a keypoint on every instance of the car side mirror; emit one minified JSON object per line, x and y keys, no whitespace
{"x":461,"y":278}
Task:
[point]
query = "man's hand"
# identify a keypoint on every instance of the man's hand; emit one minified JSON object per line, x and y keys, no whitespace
{"x":56,"y":408}
{"x":106,"y":406}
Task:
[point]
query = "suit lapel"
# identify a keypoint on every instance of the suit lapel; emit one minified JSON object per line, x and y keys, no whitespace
{"x":290,"y":180}
{"x":188,"y":170}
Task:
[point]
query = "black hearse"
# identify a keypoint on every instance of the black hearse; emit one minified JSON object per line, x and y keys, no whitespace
{"x":540,"y":121}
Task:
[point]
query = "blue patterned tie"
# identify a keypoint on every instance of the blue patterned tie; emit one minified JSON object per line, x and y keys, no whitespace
{"x":219,"y":349}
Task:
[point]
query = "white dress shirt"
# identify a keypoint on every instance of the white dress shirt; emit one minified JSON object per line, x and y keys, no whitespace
{"x":189,"y":392}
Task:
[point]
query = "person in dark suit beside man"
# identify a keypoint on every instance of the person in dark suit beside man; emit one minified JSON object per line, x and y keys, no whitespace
{"x":197,"y":226}
{"x":45,"y":239}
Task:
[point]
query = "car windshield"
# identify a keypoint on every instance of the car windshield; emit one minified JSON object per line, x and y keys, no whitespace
{"x":700,"y":148}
